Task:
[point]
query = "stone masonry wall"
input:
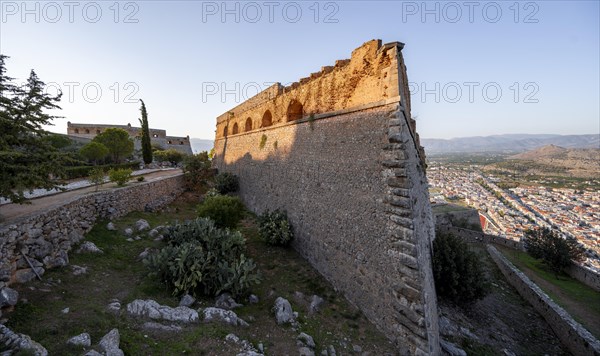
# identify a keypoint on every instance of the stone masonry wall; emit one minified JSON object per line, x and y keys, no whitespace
{"x":574,"y":336}
{"x":46,"y":237}
{"x":350,"y":173}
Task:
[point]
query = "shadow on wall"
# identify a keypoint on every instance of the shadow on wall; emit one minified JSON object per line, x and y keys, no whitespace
{"x":328,"y":175}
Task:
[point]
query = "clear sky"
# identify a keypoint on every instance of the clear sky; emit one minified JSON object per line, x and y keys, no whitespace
{"x":476,"y":68}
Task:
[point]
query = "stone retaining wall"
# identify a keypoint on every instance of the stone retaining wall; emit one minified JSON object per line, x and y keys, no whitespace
{"x":574,"y":336}
{"x":47,"y":236}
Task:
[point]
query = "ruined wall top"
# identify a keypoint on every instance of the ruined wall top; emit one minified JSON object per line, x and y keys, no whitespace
{"x":374,"y":73}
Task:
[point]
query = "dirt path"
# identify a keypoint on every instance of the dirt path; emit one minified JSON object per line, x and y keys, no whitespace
{"x":10,"y":212}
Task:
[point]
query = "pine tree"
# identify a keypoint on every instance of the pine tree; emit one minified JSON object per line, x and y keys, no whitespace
{"x":28,"y":161}
{"x":146,"y":144}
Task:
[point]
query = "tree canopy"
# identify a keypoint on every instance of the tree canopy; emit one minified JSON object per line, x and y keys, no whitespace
{"x":117,"y":141}
{"x":555,"y":251}
{"x":94,"y":151}
{"x":28,"y":160}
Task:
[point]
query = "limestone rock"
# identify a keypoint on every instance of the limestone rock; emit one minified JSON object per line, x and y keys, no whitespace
{"x":83,"y":339}
{"x":128,"y":231}
{"x":110,"y":343}
{"x":225,"y":301}
{"x":142,"y":225}
{"x":8,"y":297}
{"x":111,"y":227}
{"x":253,"y":299}
{"x":90,"y":247}
{"x":93,"y":353}
{"x":114,"y":307}
{"x":153,"y":233}
{"x":357,"y":349}
{"x":452,"y":349}
{"x":27,"y":274}
{"x":151,"y":309}
{"x":306,"y":340}
{"x":59,"y":261}
{"x":78,"y":270}
{"x":151,"y":325}
{"x":145,"y":254}
{"x":20,"y":343}
{"x":315,"y":304}
{"x":187,"y":301}
{"x":226,"y":316}
{"x":283,"y":311}
{"x":305,"y":351}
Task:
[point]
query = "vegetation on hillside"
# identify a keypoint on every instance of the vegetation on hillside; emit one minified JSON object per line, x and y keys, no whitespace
{"x":556,"y":251}
{"x":457,"y":271}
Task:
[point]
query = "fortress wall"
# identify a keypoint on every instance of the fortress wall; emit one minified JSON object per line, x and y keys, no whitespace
{"x":350,"y":174}
{"x":46,"y":237}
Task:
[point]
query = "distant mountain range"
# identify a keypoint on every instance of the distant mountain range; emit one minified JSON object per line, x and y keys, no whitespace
{"x":512,"y":143}
{"x":199,"y":144}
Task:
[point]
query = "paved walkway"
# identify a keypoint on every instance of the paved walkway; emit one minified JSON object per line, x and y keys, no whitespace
{"x":9,"y":212}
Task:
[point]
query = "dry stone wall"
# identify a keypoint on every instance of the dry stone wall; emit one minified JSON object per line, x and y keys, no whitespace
{"x":46,"y":237}
{"x":340,"y":153}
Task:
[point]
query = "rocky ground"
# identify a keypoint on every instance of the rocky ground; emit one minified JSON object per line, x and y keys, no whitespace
{"x":104,"y":302}
{"x":502,"y":323}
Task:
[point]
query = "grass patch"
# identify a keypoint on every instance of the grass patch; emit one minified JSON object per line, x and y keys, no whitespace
{"x":581,"y":301}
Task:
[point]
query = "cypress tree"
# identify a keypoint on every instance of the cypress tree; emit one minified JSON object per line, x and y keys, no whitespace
{"x":146,"y":144}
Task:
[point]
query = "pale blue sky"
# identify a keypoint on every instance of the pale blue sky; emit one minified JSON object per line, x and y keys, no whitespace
{"x":178,"y":54}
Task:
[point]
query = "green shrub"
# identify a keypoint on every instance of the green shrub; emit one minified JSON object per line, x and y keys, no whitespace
{"x":224,"y":210}
{"x":263,"y":141}
{"x":197,"y":170}
{"x":96,"y":177}
{"x":202,"y":259}
{"x":227,"y":183}
{"x":212,"y":192}
{"x":141,"y":179}
{"x":457,"y":270}
{"x":556,"y":252}
{"x":275,"y":228}
{"x":120,"y":176}
{"x":74,"y":172}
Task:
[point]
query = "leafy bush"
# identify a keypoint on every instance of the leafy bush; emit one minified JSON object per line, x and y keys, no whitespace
{"x":96,"y":177}
{"x":120,"y":176}
{"x":171,"y":155}
{"x":227,"y":183}
{"x":203,"y":259}
{"x":275,"y":228}
{"x":556,"y":252}
{"x":224,"y":210}
{"x":212,"y":192}
{"x":457,"y":270}
{"x":197,"y":170}
{"x":141,"y":179}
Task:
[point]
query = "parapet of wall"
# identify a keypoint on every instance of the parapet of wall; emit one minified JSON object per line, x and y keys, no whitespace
{"x":574,"y":336}
{"x":46,"y":237}
{"x":340,"y":153}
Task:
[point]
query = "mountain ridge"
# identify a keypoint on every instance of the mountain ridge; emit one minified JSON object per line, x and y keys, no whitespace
{"x":515,"y":143}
